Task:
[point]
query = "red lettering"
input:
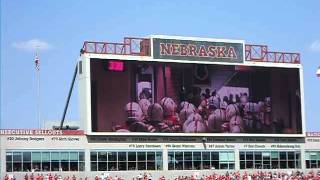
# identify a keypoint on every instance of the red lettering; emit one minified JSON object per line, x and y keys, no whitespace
{"x":212,"y":51}
{"x":203,"y":51}
{"x":165,"y":49}
{"x":183,"y":50}
{"x":221,"y":50}
{"x":175,"y":50}
{"x":192,"y":50}
{"x":232,"y":53}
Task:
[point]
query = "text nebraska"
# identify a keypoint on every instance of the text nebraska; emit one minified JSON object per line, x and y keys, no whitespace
{"x":201,"y":51}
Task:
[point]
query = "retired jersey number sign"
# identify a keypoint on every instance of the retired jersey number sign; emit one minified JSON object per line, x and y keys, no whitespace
{"x":198,"y":50}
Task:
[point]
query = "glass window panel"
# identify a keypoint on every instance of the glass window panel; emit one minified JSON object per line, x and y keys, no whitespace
{"x":45,"y":156}
{"x":102,"y":166}
{"x":102,"y":156}
{"x":170,"y":165}
{"x":313,"y":156}
{"x":266,"y":156}
{"x":298,"y":164}
{"x":196,"y":156}
{"x":179,"y":156}
{"x":313,"y":164}
{"x":74,"y":156}
{"x":55,"y":156}
{"x":206,"y":165}
{"x":223,"y":156}
{"x":249,"y":155}
{"x":9,"y":166}
{"x":26,"y":156}
{"x":122,"y":166}
{"x":197,"y":165}
{"x":318,"y":154}
{"x":132,"y":166}
{"x":36,"y":157}
{"x":206,"y":156}
{"x":231,"y":156}
{"x":224,"y":166}
{"x":188,"y":156}
{"x":266,"y":166}
{"x":214,"y":155}
{"x":17,"y":156}
{"x":178,"y":165}
{"x":64,"y":156}
{"x":231,"y":165}
{"x":81,"y":156}
{"x":283,"y":155}
{"x":187,"y":165}
{"x":249,"y":164}
{"x":257,"y":164}
{"x":94,"y":166}
{"x":215,"y":165}
{"x":74,"y":165}
{"x":27,"y":166}
{"x":283,"y":164}
{"x":9,"y":156}
{"x":308,"y":163}
{"x":151,"y":165}
{"x":242,"y":165}
{"x":151,"y":156}
{"x":46,"y":166}
{"x":242,"y":155}
{"x":81,"y":166}
{"x":142,"y":165}
{"x":65,"y":166}
{"x":55,"y":166}
{"x":291,"y":164}
{"x":112,"y":166}
{"x":159,"y":156}
{"x":171,"y":156}
{"x":132,"y":156}
{"x":93,"y":156}
{"x":275,"y":164}
{"x":36,"y":166}
{"x":17,"y":166}
{"x":122,"y":156}
{"x":112,"y":156}
{"x":274,"y":155}
{"x":258,"y":156}
{"x":159,"y":165}
{"x":290,"y":155}
{"x":141,"y":156}
{"x":307,"y":155}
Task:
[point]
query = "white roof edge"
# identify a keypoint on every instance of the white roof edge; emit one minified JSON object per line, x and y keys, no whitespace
{"x":196,"y":38}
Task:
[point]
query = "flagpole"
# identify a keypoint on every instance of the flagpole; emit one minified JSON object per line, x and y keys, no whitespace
{"x":39,"y":112}
{"x":37,"y":63}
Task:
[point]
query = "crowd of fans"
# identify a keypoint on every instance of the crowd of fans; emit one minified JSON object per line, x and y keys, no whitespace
{"x":258,"y":175}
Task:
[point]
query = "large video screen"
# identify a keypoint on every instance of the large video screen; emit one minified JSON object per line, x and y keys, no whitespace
{"x":159,"y":97}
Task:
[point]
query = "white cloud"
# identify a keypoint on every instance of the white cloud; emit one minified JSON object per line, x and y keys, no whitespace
{"x":315,"y":46}
{"x":32,"y":45}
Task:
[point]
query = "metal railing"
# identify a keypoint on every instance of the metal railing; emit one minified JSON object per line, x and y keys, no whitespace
{"x":130,"y":46}
{"x":141,"y":47}
{"x":260,"y":53}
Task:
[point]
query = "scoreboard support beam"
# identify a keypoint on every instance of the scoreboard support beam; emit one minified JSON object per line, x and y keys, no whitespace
{"x":69,"y":96}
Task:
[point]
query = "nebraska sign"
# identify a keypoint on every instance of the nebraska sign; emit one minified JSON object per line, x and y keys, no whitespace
{"x":198,"y":50}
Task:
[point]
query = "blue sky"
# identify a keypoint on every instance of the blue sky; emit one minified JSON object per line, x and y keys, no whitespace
{"x":62,"y":26}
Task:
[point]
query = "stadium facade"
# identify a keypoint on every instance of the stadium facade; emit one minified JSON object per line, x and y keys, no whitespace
{"x":174,"y":106}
